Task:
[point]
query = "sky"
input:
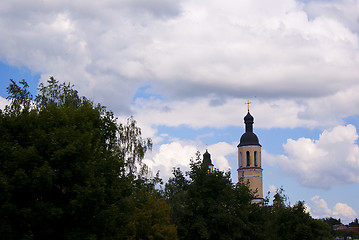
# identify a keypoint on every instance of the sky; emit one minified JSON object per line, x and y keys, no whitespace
{"x":185,"y":68}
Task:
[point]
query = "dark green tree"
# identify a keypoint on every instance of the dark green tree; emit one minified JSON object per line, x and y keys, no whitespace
{"x":355,"y":223}
{"x":208,"y":205}
{"x":151,"y":216}
{"x":68,"y":170}
{"x":285,"y":221}
{"x":20,"y":98}
{"x":332,"y":221}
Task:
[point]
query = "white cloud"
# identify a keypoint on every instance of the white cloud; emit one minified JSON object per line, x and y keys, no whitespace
{"x":272,"y":189}
{"x":307,"y":209}
{"x":189,"y":51}
{"x":344,"y":211}
{"x":278,"y":49}
{"x":178,"y":154}
{"x":320,"y":209}
{"x":218,"y":152}
{"x":3,"y":102}
{"x":331,"y":160}
{"x":169,"y":156}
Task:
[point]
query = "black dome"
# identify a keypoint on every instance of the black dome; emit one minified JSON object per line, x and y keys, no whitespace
{"x":207,"y":157}
{"x":249,"y":138}
{"x":248,"y":118}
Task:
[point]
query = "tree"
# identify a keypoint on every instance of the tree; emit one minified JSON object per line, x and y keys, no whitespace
{"x":20,"y":97}
{"x":67,"y":168}
{"x":355,"y":223}
{"x":151,"y":217}
{"x":208,"y":205}
{"x":332,"y":221}
{"x":285,"y":221}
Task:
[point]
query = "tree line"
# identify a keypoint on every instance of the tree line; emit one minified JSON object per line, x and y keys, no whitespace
{"x":70,"y":170}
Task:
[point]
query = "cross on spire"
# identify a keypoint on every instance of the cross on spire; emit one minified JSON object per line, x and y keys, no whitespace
{"x":248,"y":102}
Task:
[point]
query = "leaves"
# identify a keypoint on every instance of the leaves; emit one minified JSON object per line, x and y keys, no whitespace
{"x":67,"y":170}
{"x":209,"y":206}
{"x":61,"y":95}
{"x":133,"y":147}
{"x":19,"y":96}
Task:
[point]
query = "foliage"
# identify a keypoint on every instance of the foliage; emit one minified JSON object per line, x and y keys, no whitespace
{"x":355,"y":223}
{"x":151,"y":218}
{"x":332,"y":221}
{"x":292,"y":222}
{"x":20,"y":98}
{"x":132,"y":147}
{"x":209,"y":206}
{"x":67,"y":170}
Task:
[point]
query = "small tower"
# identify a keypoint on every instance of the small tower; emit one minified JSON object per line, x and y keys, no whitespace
{"x":207,"y":160}
{"x":249,"y":159}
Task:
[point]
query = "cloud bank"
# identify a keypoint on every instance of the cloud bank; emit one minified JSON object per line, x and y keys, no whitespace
{"x":331,"y":160}
{"x":189,"y":51}
{"x":177,"y":154}
{"x":320,"y":209}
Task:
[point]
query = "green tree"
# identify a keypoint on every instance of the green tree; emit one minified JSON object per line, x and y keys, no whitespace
{"x":285,"y":221}
{"x":355,"y":223}
{"x":20,"y":97}
{"x":332,"y":221}
{"x":67,"y":169}
{"x":151,"y":217}
{"x":208,"y":205}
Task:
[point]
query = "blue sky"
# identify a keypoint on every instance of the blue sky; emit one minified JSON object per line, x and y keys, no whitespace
{"x":184,"y":70}
{"x":17,"y":74}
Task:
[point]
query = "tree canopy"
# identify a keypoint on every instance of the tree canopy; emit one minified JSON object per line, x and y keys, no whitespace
{"x":68,"y":170}
{"x":209,"y":206}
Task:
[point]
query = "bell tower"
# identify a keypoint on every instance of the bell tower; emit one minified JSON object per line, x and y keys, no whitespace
{"x":250,"y":159}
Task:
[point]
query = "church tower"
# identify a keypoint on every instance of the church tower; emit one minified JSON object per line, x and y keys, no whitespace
{"x":250,"y":160}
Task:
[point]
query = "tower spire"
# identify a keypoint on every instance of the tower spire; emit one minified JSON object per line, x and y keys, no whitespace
{"x":248,"y":102}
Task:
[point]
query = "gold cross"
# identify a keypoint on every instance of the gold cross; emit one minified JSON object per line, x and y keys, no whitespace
{"x":248,"y":102}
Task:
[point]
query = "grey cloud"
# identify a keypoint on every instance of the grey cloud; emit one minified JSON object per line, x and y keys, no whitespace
{"x":160,"y":8}
{"x":342,"y":10}
{"x":188,"y":48}
{"x":217,"y":102}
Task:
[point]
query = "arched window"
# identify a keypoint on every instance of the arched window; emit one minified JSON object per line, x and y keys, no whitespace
{"x":255,"y":159}
{"x":248,"y":158}
{"x":240,"y":159}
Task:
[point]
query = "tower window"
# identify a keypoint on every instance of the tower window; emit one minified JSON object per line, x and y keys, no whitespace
{"x":240,"y":159}
{"x":248,"y":158}
{"x":255,"y":159}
